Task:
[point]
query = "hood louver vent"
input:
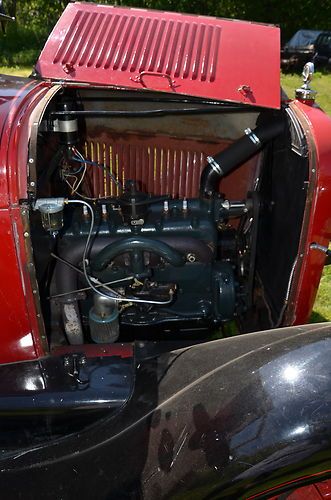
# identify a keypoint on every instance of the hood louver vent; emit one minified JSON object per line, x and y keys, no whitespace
{"x":136,"y":43}
{"x":199,"y":56}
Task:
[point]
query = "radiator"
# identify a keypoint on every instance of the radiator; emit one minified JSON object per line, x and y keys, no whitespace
{"x":160,"y":165}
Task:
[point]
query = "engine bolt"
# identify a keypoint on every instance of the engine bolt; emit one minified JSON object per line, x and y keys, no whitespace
{"x":166,"y":206}
{"x":82,"y":361}
{"x":26,"y":234}
{"x":190,"y":257}
{"x":85,"y":212}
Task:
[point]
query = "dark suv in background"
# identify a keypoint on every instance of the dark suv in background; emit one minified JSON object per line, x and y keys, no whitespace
{"x":322,"y":55}
{"x":299,"y":49}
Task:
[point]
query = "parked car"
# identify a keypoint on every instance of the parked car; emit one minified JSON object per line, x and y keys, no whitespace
{"x":322,"y":55}
{"x":156,"y":188}
{"x":299,"y":49}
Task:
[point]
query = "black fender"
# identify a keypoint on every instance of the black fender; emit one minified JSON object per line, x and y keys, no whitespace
{"x":243,"y":417}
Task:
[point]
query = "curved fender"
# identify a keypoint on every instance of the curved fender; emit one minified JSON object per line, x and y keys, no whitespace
{"x":242,"y":415}
{"x":228,"y":419}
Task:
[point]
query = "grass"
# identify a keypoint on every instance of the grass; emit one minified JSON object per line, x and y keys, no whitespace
{"x":322,"y":306}
{"x":16,"y":70}
{"x":322,"y":84}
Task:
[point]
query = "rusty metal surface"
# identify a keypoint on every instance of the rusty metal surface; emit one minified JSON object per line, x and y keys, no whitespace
{"x":161,"y":165}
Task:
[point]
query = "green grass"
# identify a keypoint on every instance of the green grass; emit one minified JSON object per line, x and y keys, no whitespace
{"x":322,"y":84}
{"x":16,"y":70}
{"x":322,"y":307}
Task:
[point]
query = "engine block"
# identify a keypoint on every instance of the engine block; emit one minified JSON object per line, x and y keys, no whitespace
{"x":164,"y":245}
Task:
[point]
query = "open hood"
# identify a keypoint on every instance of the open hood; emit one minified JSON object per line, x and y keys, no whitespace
{"x":199,"y":56}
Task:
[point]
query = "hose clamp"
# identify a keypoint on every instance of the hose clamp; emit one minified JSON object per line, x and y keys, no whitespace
{"x":215,"y":166}
{"x":253,"y":137}
{"x":321,"y":248}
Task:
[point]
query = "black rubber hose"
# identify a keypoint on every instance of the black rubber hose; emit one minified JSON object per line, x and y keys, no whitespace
{"x":240,"y":151}
{"x":110,"y":252}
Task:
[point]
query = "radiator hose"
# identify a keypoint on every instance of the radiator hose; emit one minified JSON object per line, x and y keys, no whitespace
{"x":240,"y":151}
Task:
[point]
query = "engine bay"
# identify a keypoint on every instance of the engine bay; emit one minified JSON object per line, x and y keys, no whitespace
{"x":153,"y":216}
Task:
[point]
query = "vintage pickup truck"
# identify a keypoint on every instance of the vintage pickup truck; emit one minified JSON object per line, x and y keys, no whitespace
{"x":157,"y":191}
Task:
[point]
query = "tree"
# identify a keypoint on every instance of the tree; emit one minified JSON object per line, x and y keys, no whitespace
{"x":35,"y":18}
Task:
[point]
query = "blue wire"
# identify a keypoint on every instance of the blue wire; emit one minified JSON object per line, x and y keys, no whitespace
{"x":94,"y":163}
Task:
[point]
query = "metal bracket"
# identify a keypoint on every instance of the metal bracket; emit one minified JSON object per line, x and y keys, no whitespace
{"x":245,"y":89}
{"x":74,"y":364}
{"x":325,"y":250}
{"x":215,"y":166}
{"x":140,"y":78}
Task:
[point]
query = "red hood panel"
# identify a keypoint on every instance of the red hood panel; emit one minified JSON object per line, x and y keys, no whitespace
{"x":199,"y":56}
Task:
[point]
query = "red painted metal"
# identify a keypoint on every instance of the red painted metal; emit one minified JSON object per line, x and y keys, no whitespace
{"x":308,"y":102}
{"x":324,"y":488}
{"x":309,"y":492}
{"x":20,"y":333}
{"x":14,"y":91}
{"x":318,"y":127}
{"x":317,"y":491}
{"x":18,"y":97}
{"x":161,"y":165}
{"x":94,"y":351}
{"x":201,"y":56}
{"x":17,"y":330}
